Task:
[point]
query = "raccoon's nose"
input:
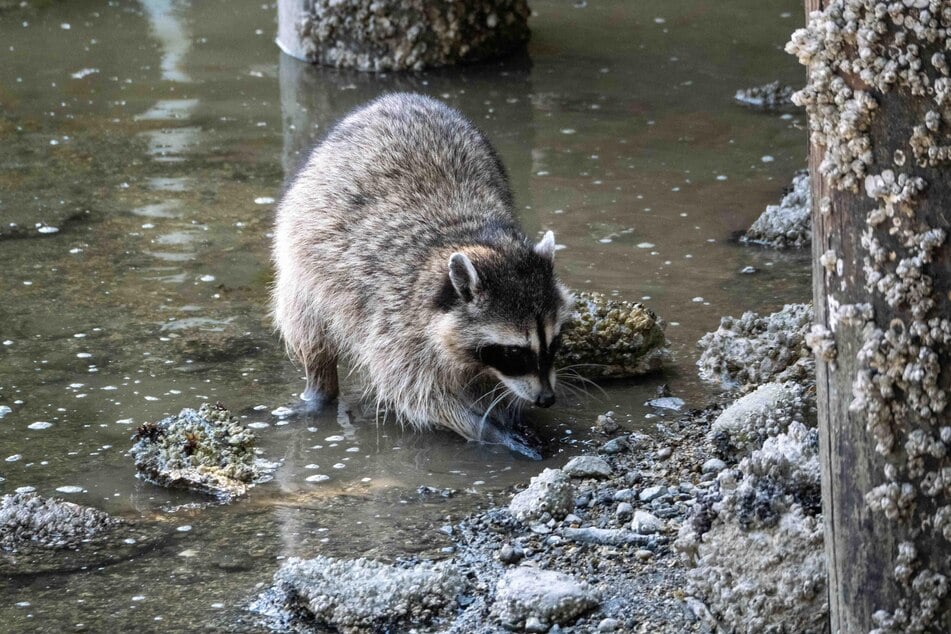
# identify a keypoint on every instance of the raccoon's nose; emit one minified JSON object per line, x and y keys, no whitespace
{"x":545,"y":399}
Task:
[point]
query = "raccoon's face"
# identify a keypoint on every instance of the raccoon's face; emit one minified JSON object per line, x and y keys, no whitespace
{"x":507,"y":316}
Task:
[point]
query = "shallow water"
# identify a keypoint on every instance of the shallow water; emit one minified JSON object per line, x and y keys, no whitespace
{"x":155,"y":136}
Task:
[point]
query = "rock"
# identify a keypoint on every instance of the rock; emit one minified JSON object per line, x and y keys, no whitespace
{"x":399,"y":35}
{"x":549,"y":492}
{"x":645,"y":523}
{"x":667,"y":402}
{"x":652,"y":493}
{"x":587,"y":467}
{"x":207,"y":451}
{"x":624,"y":495}
{"x":624,"y":511}
{"x":608,"y":625}
{"x":787,"y":224}
{"x":361,"y":594}
{"x":765,"y":412}
{"x":713,"y":465}
{"x":606,"y":423}
{"x":510,"y":554}
{"x":768,"y":96}
{"x":639,"y":441}
{"x":552,"y":598}
{"x":610,"y":537}
{"x":43,"y":535}
{"x":757,"y":552}
{"x":664,"y":453}
{"x":755,"y":350}
{"x":612,"y":338}
{"x":615,"y":446}
{"x":30,"y":520}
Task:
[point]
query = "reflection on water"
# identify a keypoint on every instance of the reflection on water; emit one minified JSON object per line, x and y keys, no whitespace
{"x":619,"y":134}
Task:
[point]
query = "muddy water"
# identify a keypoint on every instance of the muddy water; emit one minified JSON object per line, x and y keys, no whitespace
{"x":142,"y":146}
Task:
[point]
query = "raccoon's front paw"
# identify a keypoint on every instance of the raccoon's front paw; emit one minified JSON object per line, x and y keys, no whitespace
{"x":515,"y":441}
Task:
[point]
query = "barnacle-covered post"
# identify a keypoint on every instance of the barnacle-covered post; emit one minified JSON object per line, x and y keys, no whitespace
{"x":395,"y":35}
{"x":878,"y":97}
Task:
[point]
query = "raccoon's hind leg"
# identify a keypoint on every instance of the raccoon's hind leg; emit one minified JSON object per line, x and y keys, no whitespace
{"x":320,"y":368}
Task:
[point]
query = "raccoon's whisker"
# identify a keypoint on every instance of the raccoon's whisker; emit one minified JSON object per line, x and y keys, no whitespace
{"x":490,"y":393}
{"x":583,"y":365}
{"x":492,"y":406}
{"x":573,"y":376}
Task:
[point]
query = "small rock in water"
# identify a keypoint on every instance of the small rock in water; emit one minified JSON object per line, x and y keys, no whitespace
{"x":606,"y":423}
{"x":317,"y":477}
{"x":615,"y":446}
{"x":588,"y":467}
{"x":29,"y":520}
{"x":39,"y":425}
{"x":767,"y":96}
{"x":540,"y":598}
{"x":207,"y":451}
{"x":749,"y":270}
{"x":667,"y":402}
{"x":282,"y":412}
{"x":70,"y":488}
{"x":4,"y":410}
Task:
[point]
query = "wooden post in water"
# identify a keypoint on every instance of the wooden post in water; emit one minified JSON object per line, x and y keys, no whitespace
{"x":879,"y":100}
{"x":395,"y":35}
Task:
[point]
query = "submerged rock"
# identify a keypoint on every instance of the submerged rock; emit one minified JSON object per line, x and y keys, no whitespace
{"x":752,"y":350}
{"x":549,"y":492}
{"x":531,"y":599}
{"x":606,"y":338}
{"x":360,"y":595}
{"x":207,"y":451}
{"x":787,"y":224}
{"x":767,"y":96}
{"x":26,"y":519}
{"x":39,"y":534}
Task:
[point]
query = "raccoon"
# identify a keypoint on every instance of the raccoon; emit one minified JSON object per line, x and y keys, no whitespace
{"x":396,"y":248}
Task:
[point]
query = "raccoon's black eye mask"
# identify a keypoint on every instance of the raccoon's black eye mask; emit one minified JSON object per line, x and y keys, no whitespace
{"x":509,"y":360}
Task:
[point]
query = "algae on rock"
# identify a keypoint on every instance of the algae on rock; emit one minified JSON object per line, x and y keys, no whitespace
{"x":612,"y":338}
{"x":207,"y":451}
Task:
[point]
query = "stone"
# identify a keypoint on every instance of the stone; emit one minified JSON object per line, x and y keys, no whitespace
{"x":588,"y":467}
{"x":607,"y":337}
{"x":624,"y":511}
{"x":355,"y":595}
{"x":610,"y":537}
{"x":608,"y":625}
{"x":787,"y":224}
{"x":667,"y":402}
{"x":664,"y":453}
{"x":207,"y":451}
{"x":652,"y":493}
{"x":713,"y":465}
{"x":615,"y":446}
{"x":549,"y":492}
{"x":763,"y":413}
{"x":553,"y":598}
{"x":645,"y":523}
{"x":768,"y":96}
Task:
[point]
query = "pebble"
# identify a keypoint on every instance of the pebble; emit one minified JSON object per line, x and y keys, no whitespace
{"x":609,"y":624}
{"x":643,"y":554}
{"x":749,"y":270}
{"x":667,"y":402}
{"x":510,"y":554}
{"x":624,"y":495}
{"x":624,"y":511}
{"x":664,"y":452}
{"x":645,"y":523}
{"x":615,"y":445}
{"x":534,"y":624}
{"x":69,"y":489}
{"x":607,"y":424}
{"x":713,"y":465}
{"x":639,"y":441}
{"x":588,"y":467}
{"x":652,"y":493}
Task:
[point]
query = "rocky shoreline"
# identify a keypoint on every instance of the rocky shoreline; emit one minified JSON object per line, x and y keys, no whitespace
{"x":713,"y":523}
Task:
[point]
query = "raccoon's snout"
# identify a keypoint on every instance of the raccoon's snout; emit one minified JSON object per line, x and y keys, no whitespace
{"x":545,"y":399}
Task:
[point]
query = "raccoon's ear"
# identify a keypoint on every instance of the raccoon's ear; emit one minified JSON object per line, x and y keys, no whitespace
{"x":546,"y":246}
{"x":463,"y":276}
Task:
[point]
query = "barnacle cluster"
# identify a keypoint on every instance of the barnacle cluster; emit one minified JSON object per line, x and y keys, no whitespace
{"x":385,"y":35}
{"x":857,"y":52}
{"x":207,"y":451}
{"x":786,"y":224}
{"x":767,"y":96}
{"x":28,"y":520}
{"x":611,"y":338}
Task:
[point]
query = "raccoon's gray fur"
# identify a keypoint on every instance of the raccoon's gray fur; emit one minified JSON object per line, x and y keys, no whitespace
{"x":396,"y":248}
